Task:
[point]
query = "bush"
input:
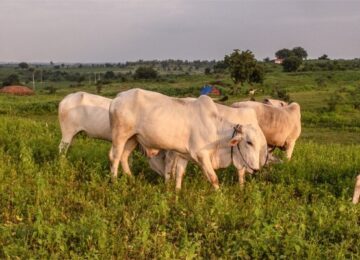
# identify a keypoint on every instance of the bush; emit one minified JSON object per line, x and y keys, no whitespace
{"x":291,"y":64}
{"x":50,"y":89}
{"x":12,"y":79}
{"x":281,"y":93}
{"x":145,"y":73}
{"x":321,"y":82}
{"x":333,"y":101}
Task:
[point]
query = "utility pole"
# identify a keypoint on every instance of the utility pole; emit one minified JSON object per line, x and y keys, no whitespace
{"x":33,"y":76}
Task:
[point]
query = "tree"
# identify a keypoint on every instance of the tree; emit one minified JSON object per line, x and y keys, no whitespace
{"x":220,"y":66}
{"x":324,"y":57}
{"x":109,"y":75}
{"x":243,"y":68}
{"x":258,"y":74}
{"x":291,"y":63}
{"x":12,"y":79}
{"x":145,"y":73}
{"x":23,"y":65}
{"x":267,"y":59}
{"x":207,"y":71}
{"x":283,"y":53}
{"x":300,"y":52}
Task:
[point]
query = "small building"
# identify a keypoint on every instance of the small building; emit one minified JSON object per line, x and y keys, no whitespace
{"x":278,"y":61}
{"x":17,"y":90}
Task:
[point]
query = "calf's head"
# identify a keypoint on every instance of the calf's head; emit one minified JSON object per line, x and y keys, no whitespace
{"x":250,"y":147}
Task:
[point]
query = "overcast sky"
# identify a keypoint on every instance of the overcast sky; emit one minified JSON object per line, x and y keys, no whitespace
{"x":124,"y":30}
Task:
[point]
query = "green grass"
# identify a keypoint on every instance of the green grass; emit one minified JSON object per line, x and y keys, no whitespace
{"x":65,"y":208}
{"x":56,"y":207}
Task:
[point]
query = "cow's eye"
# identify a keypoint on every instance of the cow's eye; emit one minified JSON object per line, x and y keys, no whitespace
{"x":249,"y":143}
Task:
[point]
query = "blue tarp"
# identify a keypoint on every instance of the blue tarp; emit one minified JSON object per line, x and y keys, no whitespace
{"x":205,"y":90}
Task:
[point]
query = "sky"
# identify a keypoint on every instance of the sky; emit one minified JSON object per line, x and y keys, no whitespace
{"x":129,"y":30}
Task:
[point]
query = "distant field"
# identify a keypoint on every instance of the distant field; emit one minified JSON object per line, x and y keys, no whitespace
{"x":54,"y":207}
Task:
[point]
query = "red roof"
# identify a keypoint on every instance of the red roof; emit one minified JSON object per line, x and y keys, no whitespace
{"x":17,"y":90}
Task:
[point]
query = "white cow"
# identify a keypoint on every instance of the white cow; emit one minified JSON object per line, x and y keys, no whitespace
{"x":356,"y":196}
{"x":86,"y":112}
{"x":171,"y":163}
{"x":280,"y":125}
{"x":195,"y":129}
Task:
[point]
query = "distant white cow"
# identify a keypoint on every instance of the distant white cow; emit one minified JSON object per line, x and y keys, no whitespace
{"x":356,"y":196}
{"x":280,"y":125}
{"x":194,"y":129}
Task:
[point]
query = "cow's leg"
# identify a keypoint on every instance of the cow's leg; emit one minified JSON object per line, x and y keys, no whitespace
{"x":66,"y":139}
{"x":129,"y":147}
{"x":180,"y":171}
{"x":356,"y":196}
{"x":289,"y":148}
{"x":63,"y":147}
{"x":171,"y":161}
{"x":206,"y":166}
{"x":241,"y":174}
{"x":117,"y":148}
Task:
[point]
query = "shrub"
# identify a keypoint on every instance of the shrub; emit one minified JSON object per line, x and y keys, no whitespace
{"x":281,"y":93}
{"x":321,"y":82}
{"x":12,"y":79}
{"x":291,"y":64}
{"x":50,"y":89}
{"x":333,"y":101}
{"x":145,"y":73}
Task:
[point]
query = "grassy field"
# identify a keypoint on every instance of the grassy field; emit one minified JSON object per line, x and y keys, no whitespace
{"x":58,"y":207}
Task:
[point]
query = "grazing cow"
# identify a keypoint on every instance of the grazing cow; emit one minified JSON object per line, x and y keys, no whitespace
{"x":356,"y":196}
{"x":275,"y":102}
{"x":172,"y":163}
{"x":280,"y":125}
{"x":194,"y":129}
{"x":86,"y":112}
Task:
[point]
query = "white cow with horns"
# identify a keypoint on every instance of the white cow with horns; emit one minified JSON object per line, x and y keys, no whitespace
{"x":195,"y":129}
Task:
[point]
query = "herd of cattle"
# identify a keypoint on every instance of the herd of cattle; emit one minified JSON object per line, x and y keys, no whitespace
{"x":172,"y":131}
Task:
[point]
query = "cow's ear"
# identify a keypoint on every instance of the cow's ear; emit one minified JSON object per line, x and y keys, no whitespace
{"x":235,"y":140}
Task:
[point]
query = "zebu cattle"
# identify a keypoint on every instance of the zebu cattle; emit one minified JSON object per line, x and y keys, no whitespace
{"x":280,"y":125}
{"x":171,"y":163}
{"x":194,"y":129}
{"x":86,"y":112}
